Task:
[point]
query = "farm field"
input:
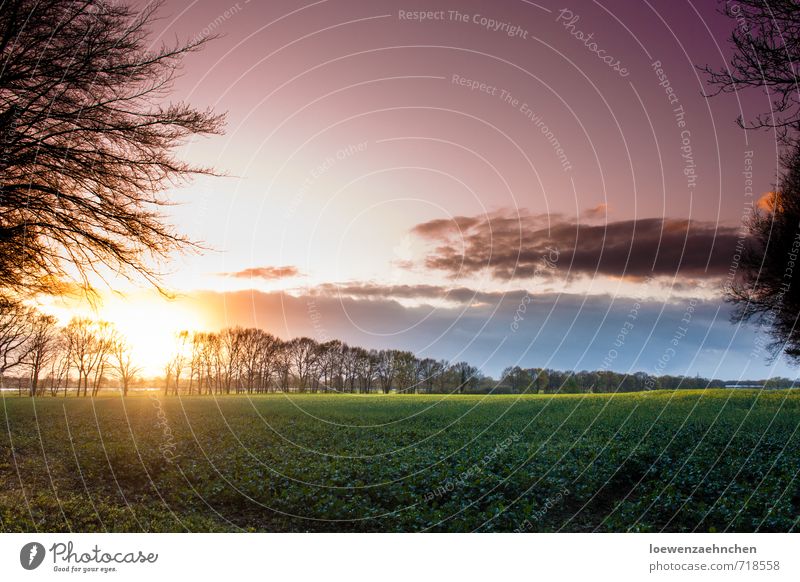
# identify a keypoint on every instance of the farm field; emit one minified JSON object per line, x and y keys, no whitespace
{"x":711,"y":460}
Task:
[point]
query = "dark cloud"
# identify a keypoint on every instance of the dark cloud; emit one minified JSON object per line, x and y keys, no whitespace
{"x":515,"y":245}
{"x":268,"y":273}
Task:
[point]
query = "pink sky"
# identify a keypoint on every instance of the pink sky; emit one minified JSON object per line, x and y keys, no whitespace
{"x":350,"y":124}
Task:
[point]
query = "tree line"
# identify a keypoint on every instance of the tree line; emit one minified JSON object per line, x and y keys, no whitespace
{"x":549,"y":381}
{"x":249,"y":360}
{"x":85,"y":356}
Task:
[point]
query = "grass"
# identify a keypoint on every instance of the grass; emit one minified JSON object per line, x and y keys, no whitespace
{"x":713,"y":460}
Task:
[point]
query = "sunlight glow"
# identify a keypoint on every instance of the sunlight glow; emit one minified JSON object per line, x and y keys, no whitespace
{"x":148,"y":322}
{"x":150,"y":325}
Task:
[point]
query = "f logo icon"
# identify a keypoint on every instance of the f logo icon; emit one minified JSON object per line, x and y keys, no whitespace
{"x":31,"y":555}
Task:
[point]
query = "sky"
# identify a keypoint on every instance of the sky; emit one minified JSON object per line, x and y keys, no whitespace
{"x":510,"y":183}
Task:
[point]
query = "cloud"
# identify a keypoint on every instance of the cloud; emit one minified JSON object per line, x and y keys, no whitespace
{"x":599,"y":211}
{"x":515,"y":245}
{"x":268,"y":273}
{"x":421,"y":292}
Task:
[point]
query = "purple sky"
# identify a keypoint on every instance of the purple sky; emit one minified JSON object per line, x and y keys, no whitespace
{"x":398,"y":183}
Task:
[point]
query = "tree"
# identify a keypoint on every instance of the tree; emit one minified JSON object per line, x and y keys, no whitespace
{"x":541,"y":379}
{"x":428,"y":368}
{"x":89,"y":345}
{"x":203,"y":358}
{"x":329,"y":364}
{"x":123,"y":364}
{"x":517,"y":379}
{"x":303,"y":354}
{"x":86,"y":142}
{"x":349,"y":368}
{"x":406,"y":367}
{"x":442,"y":375}
{"x":60,"y":367}
{"x":15,"y":321}
{"x":767,"y":290}
{"x":42,"y":347}
{"x":386,"y":369}
{"x":107,"y":337}
{"x":176,"y":365}
{"x":251,"y":356}
{"x":82,"y":341}
{"x":466,"y":376}
{"x":766,"y":43}
{"x":230,"y":357}
{"x":270,"y":348}
{"x":366,"y":368}
{"x":283,"y":365}
{"x":570,"y":385}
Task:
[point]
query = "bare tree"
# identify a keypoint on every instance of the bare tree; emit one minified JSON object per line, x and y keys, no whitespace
{"x":79,"y":340}
{"x":386,"y":370}
{"x":232,"y":357}
{"x":123,"y":364}
{"x":766,"y":43}
{"x":60,"y":367}
{"x":219,"y":367}
{"x":768,"y":289}
{"x":349,"y":368}
{"x":367,"y":365}
{"x":466,"y":376}
{"x":405,"y":371}
{"x":43,"y":342}
{"x":176,"y":365}
{"x":330,"y":364}
{"x":87,"y":142}
{"x":443,"y":375}
{"x":107,"y":338}
{"x":283,"y":365}
{"x":15,"y":321}
{"x":427,"y":371}
{"x":270,"y":347}
{"x":87,"y":343}
{"x":303,"y":355}
{"x":203,"y":357}
{"x":257,"y":354}
{"x":197,"y":362}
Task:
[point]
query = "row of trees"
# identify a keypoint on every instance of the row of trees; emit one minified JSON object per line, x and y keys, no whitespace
{"x":84,"y":355}
{"x":250,"y":360}
{"x":87,"y":355}
{"x":545,"y":380}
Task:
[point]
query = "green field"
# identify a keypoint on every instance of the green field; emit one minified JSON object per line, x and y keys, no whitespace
{"x":714,"y":460}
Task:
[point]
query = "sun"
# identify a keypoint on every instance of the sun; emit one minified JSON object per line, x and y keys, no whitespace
{"x":148,"y":322}
{"x":150,"y":325}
